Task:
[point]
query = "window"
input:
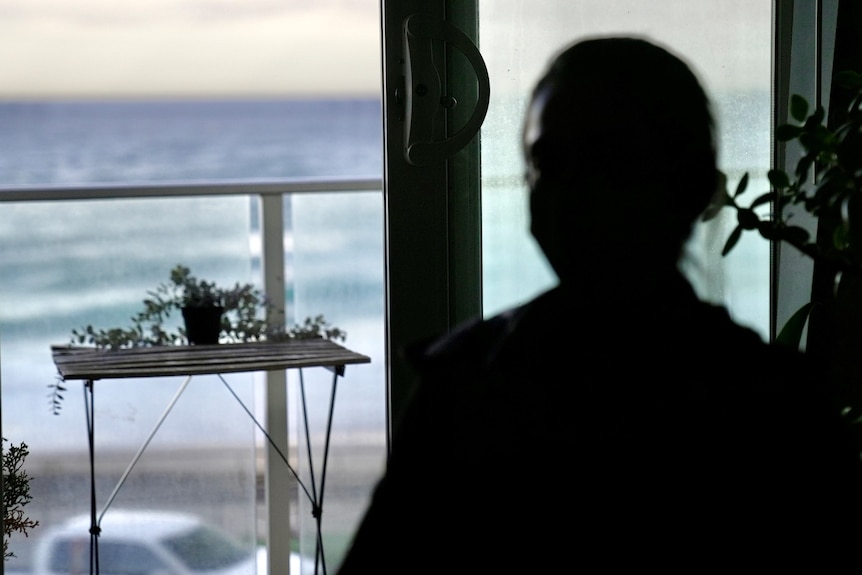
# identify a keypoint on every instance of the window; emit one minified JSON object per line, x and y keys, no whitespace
{"x":432,"y":210}
{"x":172,"y":94}
{"x":729,"y":46}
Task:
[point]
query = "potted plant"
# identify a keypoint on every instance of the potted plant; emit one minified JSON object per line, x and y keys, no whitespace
{"x":833,"y":198}
{"x":203,"y":305}
{"x":16,"y":494}
{"x":241,"y":310}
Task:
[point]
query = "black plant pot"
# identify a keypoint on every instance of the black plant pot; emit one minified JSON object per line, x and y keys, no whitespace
{"x":203,"y":324}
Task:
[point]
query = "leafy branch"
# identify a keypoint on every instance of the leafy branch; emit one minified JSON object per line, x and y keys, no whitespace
{"x":834,"y":194}
{"x":16,"y":494}
{"x":56,"y":394}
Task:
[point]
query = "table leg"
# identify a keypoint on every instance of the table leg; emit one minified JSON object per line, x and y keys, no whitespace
{"x":314,"y":496}
{"x":317,"y":498}
{"x":144,"y":446}
{"x":96,"y":520}
{"x":89,"y":411}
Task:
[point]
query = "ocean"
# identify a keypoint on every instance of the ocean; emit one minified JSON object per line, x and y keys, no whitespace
{"x":117,"y":141}
{"x":69,"y":264}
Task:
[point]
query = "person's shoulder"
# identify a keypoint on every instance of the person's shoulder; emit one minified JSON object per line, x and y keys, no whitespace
{"x":471,"y":340}
{"x":480,"y":339}
{"x":762,"y":381}
{"x":731,"y":344}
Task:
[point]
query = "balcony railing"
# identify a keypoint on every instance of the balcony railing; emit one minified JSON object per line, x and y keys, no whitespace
{"x":271,"y":194}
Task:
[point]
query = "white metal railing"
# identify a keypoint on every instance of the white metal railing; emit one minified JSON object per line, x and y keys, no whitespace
{"x":187,"y":188}
{"x":271,"y":192}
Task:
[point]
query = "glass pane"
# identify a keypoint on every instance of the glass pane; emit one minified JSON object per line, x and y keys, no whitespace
{"x":89,"y":267}
{"x":181,"y":91}
{"x":65,"y":265}
{"x":729,"y":46}
{"x":338,"y":269}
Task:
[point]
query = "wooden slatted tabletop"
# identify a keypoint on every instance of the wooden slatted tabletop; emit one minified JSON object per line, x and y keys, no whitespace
{"x":87,"y":363}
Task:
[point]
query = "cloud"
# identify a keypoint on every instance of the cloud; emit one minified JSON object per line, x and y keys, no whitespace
{"x":226,"y":48}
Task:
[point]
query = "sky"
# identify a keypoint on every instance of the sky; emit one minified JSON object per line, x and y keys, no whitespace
{"x":242,"y":48}
{"x":188,"y":48}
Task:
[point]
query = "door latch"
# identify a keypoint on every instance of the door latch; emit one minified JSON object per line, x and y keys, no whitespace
{"x":425,"y":104}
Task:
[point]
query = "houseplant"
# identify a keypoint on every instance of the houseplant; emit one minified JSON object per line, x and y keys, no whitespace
{"x":235,"y":312}
{"x":832,"y":154}
{"x":16,"y":494}
{"x":207,"y":309}
{"x":242,"y":310}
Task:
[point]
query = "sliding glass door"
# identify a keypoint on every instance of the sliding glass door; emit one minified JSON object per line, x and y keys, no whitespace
{"x":729,"y":46}
{"x":432,"y":259}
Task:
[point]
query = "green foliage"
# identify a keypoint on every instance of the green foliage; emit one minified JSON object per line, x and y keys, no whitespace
{"x":834,"y":193}
{"x":312,"y":327}
{"x":56,"y":395}
{"x":245,"y":311}
{"x":791,"y":333}
{"x":243,"y":305}
{"x":16,"y":494}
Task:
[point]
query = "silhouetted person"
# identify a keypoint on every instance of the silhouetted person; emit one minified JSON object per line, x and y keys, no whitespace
{"x":615,"y":420}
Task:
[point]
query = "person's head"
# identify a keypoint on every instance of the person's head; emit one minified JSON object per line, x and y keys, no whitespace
{"x":620,"y":156}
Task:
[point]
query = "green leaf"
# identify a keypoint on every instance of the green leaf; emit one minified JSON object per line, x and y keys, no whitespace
{"x":840,"y":238}
{"x":732,"y":239}
{"x":787,"y":132}
{"x":747,"y":218}
{"x":778,"y":178}
{"x":818,"y":116}
{"x":802,"y":167}
{"x":763,"y":199}
{"x":740,"y":187}
{"x":791,"y":334}
{"x":796,"y":235}
{"x":798,"y":107}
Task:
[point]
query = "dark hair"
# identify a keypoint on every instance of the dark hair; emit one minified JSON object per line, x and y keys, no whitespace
{"x":634,"y":119}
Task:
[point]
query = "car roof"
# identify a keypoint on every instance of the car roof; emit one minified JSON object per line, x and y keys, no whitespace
{"x":140,"y":524}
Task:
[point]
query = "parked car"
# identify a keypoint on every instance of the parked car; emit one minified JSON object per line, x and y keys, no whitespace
{"x":142,"y":543}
